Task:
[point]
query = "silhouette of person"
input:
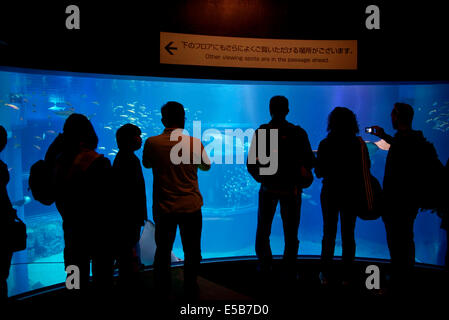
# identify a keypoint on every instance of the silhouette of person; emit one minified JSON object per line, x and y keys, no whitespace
{"x":444,"y":211}
{"x":131,"y":201}
{"x":339,"y":163}
{"x":82,"y":187}
{"x":177,"y":200}
{"x":283,"y":186}
{"x":7,"y":216}
{"x":402,"y":190}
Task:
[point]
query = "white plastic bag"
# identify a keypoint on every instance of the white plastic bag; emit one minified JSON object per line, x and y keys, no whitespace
{"x":148,"y":245}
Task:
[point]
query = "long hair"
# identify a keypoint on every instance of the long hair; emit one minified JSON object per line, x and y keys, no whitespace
{"x":78,"y":131}
{"x":342,"y":121}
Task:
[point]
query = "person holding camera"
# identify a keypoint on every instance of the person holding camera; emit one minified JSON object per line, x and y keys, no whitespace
{"x":410,"y":163}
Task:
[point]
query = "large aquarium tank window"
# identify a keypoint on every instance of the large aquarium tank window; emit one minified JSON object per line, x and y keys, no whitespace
{"x":34,"y":105}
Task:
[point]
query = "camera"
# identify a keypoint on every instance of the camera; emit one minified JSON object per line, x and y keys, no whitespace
{"x":370,"y":130}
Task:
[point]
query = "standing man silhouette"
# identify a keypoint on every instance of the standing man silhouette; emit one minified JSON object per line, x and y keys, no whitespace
{"x":403,"y":188}
{"x":176,"y":196}
{"x":294,"y":155}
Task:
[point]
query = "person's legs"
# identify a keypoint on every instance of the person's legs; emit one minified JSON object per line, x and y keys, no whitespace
{"x":291,"y":213}
{"x":77,"y":254}
{"x":399,"y":224}
{"x":102,"y":264}
{"x":330,"y":222}
{"x":267,"y":207}
{"x":190,"y":226}
{"x":126,"y":255}
{"x":406,"y":248}
{"x":5,"y":265}
{"x":164,"y":234}
{"x":348,"y":221}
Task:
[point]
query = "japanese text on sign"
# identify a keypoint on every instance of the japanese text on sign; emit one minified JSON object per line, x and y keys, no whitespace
{"x":201,"y":50}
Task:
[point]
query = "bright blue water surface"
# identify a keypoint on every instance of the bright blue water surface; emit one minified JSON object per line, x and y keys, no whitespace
{"x":39,"y":102}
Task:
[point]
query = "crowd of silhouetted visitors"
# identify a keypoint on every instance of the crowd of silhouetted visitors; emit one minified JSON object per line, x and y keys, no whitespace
{"x":104,"y":206}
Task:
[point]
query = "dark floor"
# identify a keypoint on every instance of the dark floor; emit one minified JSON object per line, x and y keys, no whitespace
{"x":235,"y":286}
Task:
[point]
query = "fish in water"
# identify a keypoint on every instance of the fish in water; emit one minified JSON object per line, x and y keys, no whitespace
{"x":313,"y":203}
{"x":306,"y":196}
{"x":12,"y":106}
{"x":64,"y":114}
{"x":217,"y":219}
{"x":36,"y":146}
{"x":96,"y":102}
{"x":56,"y":108}
{"x":22,"y":202}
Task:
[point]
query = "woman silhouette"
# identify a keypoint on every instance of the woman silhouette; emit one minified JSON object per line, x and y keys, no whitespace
{"x":339,"y":163}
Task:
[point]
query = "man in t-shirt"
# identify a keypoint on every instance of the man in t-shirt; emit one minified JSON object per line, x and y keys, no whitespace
{"x":175,"y":159}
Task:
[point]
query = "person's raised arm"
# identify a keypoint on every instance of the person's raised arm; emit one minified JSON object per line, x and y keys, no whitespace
{"x":380,"y":132}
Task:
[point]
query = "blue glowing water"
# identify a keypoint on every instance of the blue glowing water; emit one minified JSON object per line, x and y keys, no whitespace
{"x":34,"y":106}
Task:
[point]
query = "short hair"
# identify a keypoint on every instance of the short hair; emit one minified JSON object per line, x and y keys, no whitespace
{"x":341,"y":120}
{"x":404,"y":112}
{"x":77,"y":129}
{"x":3,"y":138}
{"x":125,"y":135}
{"x":173,"y":113}
{"x":279,"y":106}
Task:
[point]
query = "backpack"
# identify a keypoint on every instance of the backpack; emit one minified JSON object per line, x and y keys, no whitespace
{"x":41,"y":182}
{"x":289,"y":171}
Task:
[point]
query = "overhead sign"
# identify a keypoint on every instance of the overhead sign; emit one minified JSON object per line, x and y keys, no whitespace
{"x":199,"y":50}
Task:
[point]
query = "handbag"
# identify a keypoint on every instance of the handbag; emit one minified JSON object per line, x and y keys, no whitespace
{"x":306,"y":177}
{"x":17,"y":235}
{"x":372,"y":197}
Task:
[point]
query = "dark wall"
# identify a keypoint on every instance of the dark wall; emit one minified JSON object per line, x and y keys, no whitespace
{"x":123,"y":37}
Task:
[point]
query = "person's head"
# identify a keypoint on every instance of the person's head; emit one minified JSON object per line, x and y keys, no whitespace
{"x":173,"y":115}
{"x":278,"y":107}
{"x":78,"y":132}
{"x":3,"y":138}
{"x":342,"y":121}
{"x":402,"y":116}
{"x":128,"y":137}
